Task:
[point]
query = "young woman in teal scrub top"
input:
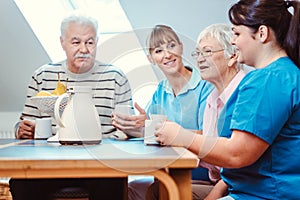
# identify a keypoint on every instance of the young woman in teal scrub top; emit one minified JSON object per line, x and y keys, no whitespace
{"x":258,"y":144}
{"x":181,"y":96}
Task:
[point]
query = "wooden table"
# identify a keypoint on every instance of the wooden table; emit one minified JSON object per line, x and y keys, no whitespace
{"x":110,"y":159}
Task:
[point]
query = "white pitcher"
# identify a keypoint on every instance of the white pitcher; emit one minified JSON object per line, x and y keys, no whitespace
{"x":79,"y":123}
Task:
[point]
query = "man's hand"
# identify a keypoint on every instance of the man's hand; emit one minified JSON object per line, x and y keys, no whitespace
{"x":26,"y":130}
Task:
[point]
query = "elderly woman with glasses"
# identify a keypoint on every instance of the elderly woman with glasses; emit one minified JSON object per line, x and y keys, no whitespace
{"x":216,"y":59}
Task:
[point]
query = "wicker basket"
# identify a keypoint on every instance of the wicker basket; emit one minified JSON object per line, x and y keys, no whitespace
{"x":4,"y":191}
{"x":46,"y":104}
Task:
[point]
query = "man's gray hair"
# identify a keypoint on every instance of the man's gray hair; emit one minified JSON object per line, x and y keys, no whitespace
{"x":78,"y":18}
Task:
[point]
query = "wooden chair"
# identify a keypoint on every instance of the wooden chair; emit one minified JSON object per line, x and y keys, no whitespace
{"x":4,"y":190}
{"x":4,"y":182}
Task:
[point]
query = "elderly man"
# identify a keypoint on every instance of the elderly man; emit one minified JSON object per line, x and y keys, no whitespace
{"x":79,"y":41}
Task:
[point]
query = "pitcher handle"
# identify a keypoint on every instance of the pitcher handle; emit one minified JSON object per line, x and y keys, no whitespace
{"x":56,"y":109}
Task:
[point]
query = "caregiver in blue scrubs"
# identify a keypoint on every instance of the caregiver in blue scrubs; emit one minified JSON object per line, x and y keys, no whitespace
{"x":259,"y":143}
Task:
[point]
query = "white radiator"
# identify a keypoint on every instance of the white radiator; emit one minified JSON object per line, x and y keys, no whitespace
{"x":7,"y":134}
{"x":7,"y":123}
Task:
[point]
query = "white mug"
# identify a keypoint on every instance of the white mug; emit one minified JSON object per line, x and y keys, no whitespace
{"x":123,"y":109}
{"x":149,"y":134}
{"x":43,"y":128}
{"x":159,"y":117}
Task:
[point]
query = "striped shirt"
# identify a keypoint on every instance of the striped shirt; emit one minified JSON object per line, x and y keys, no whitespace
{"x":109,"y":84}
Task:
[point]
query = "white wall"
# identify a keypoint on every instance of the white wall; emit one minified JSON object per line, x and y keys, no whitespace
{"x":20,"y":54}
{"x":188,"y":17}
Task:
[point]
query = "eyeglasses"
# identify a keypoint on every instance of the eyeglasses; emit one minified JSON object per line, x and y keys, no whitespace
{"x":206,"y":53}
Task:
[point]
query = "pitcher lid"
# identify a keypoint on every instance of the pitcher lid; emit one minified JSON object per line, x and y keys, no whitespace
{"x":80,"y":89}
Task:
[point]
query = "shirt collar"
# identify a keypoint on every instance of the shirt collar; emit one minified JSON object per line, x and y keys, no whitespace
{"x":78,"y":76}
{"x":191,"y":84}
{"x":215,"y":98}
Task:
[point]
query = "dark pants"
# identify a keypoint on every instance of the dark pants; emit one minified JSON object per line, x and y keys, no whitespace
{"x":43,"y":189}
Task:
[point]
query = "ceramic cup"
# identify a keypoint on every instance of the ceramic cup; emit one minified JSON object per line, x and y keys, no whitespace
{"x":150,"y":124}
{"x":123,"y":109}
{"x":43,"y":128}
{"x":160,"y":117}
